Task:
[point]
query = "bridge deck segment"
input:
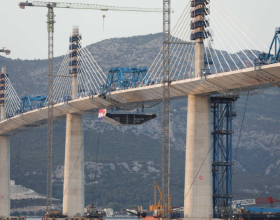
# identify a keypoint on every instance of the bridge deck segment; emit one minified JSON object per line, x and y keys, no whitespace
{"x":214,"y":84}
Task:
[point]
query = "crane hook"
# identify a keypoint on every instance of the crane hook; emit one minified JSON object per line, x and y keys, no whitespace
{"x":103,"y":21}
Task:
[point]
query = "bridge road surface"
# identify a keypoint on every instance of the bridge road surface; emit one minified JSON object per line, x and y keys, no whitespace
{"x":215,"y":84}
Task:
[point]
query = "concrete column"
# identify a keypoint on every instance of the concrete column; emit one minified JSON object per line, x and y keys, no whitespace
{"x":75,"y":86}
{"x":3,"y":114}
{"x":73,"y":189}
{"x":198,"y":201}
{"x":199,"y":56}
{"x":4,"y":176}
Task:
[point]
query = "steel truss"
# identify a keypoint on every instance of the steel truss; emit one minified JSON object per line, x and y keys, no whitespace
{"x":166,"y":111}
{"x":50,"y":22}
{"x":223,"y":114}
{"x":124,"y":78}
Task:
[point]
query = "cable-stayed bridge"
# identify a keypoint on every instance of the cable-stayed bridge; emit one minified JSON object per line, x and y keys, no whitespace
{"x":230,"y":83}
{"x":197,"y":71}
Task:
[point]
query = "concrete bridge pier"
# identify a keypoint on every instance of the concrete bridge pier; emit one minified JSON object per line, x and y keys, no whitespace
{"x":198,"y":202}
{"x":4,"y":176}
{"x":73,"y":189}
{"x":4,"y":165}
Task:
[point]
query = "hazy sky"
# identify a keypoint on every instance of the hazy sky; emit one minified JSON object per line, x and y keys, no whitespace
{"x":25,"y":31}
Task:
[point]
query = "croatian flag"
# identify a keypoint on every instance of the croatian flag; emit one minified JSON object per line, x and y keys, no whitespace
{"x":102,"y":112}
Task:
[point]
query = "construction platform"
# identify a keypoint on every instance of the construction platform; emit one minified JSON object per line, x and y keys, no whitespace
{"x":127,"y":119}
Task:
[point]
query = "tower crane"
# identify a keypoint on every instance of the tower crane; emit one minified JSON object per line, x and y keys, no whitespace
{"x":7,"y":52}
{"x":166,"y":109}
{"x":50,"y":23}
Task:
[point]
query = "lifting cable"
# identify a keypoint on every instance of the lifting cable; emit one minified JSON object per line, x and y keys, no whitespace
{"x":198,"y":171}
{"x":95,"y":174}
{"x":175,"y":124}
{"x":159,"y":115}
{"x":53,"y":185}
{"x":178,"y":130}
{"x":241,"y":129}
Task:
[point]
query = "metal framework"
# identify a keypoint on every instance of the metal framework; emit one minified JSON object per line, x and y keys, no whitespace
{"x":267,"y":58}
{"x":123,"y":78}
{"x":222,"y":109}
{"x":50,"y":22}
{"x":88,"y":6}
{"x":31,"y":102}
{"x":74,"y":64}
{"x":166,"y":111}
{"x":199,"y":23}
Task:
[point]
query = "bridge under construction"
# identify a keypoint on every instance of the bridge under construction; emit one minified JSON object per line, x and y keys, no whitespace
{"x":187,"y":66}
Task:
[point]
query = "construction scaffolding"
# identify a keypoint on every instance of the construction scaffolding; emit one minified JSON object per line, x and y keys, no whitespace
{"x":223,"y":114}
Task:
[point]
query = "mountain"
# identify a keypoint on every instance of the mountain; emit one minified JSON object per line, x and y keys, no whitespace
{"x":129,"y":158}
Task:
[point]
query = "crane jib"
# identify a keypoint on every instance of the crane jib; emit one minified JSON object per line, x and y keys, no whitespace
{"x":88,"y":6}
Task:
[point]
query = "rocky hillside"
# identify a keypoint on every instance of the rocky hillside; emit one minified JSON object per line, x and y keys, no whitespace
{"x":129,"y":158}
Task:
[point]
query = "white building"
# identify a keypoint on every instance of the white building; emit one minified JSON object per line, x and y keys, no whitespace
{"x":109,"y":212}
{"x":12,"y":182}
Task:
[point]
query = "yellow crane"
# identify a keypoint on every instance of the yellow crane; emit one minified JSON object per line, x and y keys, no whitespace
{"x":50,"y":23}
{"x":157,"y":204}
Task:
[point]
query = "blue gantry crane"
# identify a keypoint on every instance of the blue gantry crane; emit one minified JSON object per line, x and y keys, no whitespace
{"x":124,"y":78}
{"x":267,"y":58}
{"x":31,"y":102}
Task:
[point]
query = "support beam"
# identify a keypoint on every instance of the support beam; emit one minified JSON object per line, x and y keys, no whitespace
{"x":73,"y":189}
{"x":4,"y":176}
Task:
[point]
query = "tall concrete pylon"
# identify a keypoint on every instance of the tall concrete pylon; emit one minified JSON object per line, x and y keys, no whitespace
{"x":73,"y":189}
{"x":4,"y":164}
{"x":198,"y":201}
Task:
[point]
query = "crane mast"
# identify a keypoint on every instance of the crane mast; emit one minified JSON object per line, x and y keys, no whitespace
{"x":50,"y":22}
{"x":166,"y":110}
